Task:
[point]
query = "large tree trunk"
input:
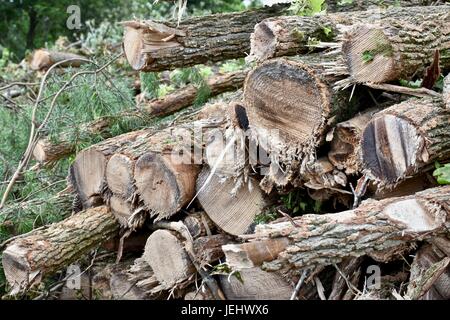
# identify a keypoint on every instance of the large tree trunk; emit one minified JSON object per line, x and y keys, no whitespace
{"x":187,"y":95}
{"x":44,"y":59}
{"x":380,"y":229}
{"x":292,"y":35}
{"x":28,"y":259}
{"x":401,"y":139}
{"x":154,"y":46}
{"x":398,"y":47}
{"x":290,"y":106}
{"x":231,"y":205}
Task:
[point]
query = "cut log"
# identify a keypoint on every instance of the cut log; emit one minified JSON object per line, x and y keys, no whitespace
{"x":187,"y":95}
{"x":381,"y":229}
{"x":345,"y":147}
{"x":136,"y":282}
{"x":165,"y":174}
{"x":166,"y":254}
{"x":225,"y":151}
{"x":292,"y":35}
{"x":122,"y":210}
{"x":398,"y":47}
{"x":27,"y":260}
{"x":87,"y":172}
{"x":401,"y":139}
{"x":47,"y":151}
{"x":43,"y":59}
{"x":256,"y":285}
{"x":291,"y":126}
{"x":430,"y":275}
{"x":155,"y":46}
{"x":231,"y":207}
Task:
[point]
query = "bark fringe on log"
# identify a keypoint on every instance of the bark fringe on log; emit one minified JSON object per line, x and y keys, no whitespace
{"x":381,"y":229}
{"x":290,"y":35}
{"x":43,"y":59}
{"x":398,"y":47}
{"x":27,"y":260}
{"x":274,"y":118}
{"x":345,"y":138}
{"x":231,"y":206}
{"x":155,"y":46}
{"x":186,"y":96}
{"x":405,"y":137}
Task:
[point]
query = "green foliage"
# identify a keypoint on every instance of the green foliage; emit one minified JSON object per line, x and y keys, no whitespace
{"x":411,"y":84}
{"x":266,"y":216}
{"x":297,"y":202}
{"x":225,"y":269}
{"x":306,"y":7}
{"x":442,"y":173}
{"x":345,"y":2}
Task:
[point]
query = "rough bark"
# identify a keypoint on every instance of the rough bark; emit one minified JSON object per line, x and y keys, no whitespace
{"x":27,"y":260}
{"x":403,"y":138}
{"x":398,"y":47}
{"x":381,"y":229}
{"x":165,"y":252}
{"x":344,"y":145}
{"x":292,"y":35}
{"x":256,"y":285}
{"x":43,"y":59}
{"x":446,"y":91}
{"x":290,"y":126}
{"x":232,"y":207}
{"x":155,"y":46}
{"x":187,"y":95}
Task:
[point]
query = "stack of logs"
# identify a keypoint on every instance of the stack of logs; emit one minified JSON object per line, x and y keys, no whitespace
{"x":323,"y":121}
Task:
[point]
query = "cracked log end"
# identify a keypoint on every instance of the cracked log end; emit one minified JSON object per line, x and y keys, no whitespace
{"x":166,"y":255}
{"x":369,"y":55}
{"x":121,"y":209}
{"x":119,"y":175}
{"x":230,"y":208}
{"x":263,"y":42}
{"x":142,"y":39}
{"x":297,"y":116}
{"x":87,"y":176}
{"x":164,"y":185}
{"x":391,"y":148}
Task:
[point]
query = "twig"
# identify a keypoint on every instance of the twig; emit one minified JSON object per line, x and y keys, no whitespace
{"x":419,"y":92}
{"x":299,"y":284}
{"x":34,"y":132}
